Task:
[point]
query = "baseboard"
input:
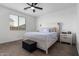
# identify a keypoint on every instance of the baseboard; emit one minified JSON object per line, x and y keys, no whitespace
{"x":10,"y":41}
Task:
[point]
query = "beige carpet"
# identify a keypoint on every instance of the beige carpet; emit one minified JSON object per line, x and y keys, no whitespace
{"x":15,"y":49}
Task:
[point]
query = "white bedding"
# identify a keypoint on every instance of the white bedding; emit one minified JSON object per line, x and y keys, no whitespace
{"x":41,"y":34}
{"x":44,"y":39}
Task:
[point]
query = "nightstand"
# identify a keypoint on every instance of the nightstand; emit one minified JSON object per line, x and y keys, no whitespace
{"x":66,"y":37}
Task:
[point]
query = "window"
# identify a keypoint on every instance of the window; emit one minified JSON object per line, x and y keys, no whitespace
{"x":17,"y":22}
{"x":22,"y":25}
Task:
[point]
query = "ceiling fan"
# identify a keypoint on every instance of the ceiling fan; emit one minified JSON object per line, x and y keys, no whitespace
{"x":33,"y":6}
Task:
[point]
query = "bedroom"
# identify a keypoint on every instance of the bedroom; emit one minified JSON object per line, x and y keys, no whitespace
{"x":59,"y":17}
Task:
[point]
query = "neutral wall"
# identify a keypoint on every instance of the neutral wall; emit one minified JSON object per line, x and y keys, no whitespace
{"x":66,"y":16}
{"x":6,"y":35}
{"x":77,"y":28}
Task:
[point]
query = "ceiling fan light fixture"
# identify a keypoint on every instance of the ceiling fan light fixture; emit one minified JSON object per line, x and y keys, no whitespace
{"x":32,"y":8}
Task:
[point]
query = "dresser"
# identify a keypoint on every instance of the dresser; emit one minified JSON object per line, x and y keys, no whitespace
{"x":66,"y":37}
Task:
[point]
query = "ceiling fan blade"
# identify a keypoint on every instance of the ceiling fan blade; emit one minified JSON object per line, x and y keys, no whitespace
{"x":35,"y":3}
{"x":29,"y":4}
{"x":33,"y":10}
{"x":38,"y":7}
{"x":32,"y":4}
{"x":27,"y":8}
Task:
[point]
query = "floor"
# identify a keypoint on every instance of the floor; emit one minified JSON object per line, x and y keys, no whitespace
{"x":58,"y":49}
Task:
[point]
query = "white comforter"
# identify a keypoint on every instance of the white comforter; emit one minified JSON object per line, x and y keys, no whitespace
{"x":44,"y":39}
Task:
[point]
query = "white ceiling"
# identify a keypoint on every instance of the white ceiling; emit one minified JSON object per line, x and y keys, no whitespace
{"x":47,"y":7}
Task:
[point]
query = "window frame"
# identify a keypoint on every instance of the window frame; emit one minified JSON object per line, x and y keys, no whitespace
{"x":18,"y":29}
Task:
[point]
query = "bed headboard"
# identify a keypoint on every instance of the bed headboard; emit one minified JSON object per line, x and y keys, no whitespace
{"x":54,"y":29}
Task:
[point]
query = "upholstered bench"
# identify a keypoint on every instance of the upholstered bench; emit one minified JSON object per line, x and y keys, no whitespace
{"x":29,"y":45}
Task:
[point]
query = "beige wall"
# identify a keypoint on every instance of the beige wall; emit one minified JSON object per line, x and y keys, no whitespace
{"x":6,"y":34}
{"x":65,"y":16}
{"x":77,"y":28}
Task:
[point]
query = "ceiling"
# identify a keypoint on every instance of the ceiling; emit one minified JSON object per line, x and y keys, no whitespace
{"x":47,"y":7}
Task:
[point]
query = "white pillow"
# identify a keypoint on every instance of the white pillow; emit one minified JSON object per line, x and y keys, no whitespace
{"x":44,"y":30}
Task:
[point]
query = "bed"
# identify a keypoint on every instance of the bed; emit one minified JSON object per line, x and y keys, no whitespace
{"x":44,"y":39}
